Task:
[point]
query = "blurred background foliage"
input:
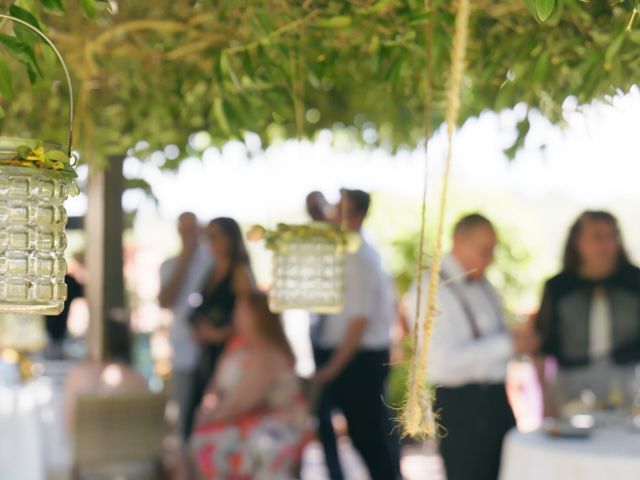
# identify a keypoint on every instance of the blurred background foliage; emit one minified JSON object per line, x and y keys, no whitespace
{"x":160,"y":70}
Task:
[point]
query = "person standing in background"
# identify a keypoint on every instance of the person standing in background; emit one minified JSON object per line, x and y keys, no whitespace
{"x":352,"y":354}
{"x":181,"y":280}
{"x":589,"y":320}
{"x":470,"y":349}
{"x":211,"y":319}
{"x":319,"y":208}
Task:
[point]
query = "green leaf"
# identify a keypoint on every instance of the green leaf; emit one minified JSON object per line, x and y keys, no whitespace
{"x":6,"y":86}
{"x":556,"y":16}
{"x":24,"y":53}
{"x":23,"y":33}
{"x":522,"y":128}
{"x":224,"y":62}
{"x":225,"y":67}
{"x":90,"y":8}
{"x":340,"y":21}
{"x":54,"y":5}
{"x":56,"y":155}
{"x":69,"y":173}
{"x":614,"y":47}
{"x":394,"y":71}
{"x":419,"y":18}
{"x":25,"y":15}
{"x":541,"y":68}
{"x":221,"y":117}
{"x":34,"y":74}
{"x":544,"y":8}
{"x":2,"y":114}
{"x":23,"y":151}
{"x":531,"y":6}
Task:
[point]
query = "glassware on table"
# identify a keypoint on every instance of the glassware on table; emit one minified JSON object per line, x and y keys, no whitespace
{"x":634,"y":395}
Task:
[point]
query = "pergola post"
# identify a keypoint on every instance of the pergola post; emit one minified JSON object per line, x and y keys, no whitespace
{"x":104,"y":256}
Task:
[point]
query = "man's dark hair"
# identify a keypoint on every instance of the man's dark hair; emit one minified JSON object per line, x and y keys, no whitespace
{"x":471,"y":221}
{"x":360,"y":201}
{"x":316,"y":206}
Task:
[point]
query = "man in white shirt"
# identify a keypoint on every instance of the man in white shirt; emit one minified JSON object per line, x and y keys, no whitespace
{"x":181,"y":281}
{"x":468,"y":356}
{"x":352,"y":355}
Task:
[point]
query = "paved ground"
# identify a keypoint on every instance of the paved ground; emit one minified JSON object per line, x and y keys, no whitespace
{"x":418,"y":463}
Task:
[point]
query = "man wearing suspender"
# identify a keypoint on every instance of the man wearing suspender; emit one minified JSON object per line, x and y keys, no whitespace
{"x":470,"y":348}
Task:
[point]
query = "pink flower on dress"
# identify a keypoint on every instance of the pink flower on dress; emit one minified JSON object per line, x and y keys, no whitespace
{"x":205,"y":460}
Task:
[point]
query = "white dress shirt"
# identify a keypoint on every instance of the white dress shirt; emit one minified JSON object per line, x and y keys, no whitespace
{"x":369,"y":293}
{"x":599,"y":326}
{"x":456,"y":356}
{"x":189,"y":296}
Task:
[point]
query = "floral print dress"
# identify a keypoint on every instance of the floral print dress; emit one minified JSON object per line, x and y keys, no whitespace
{"x":264,"y":444}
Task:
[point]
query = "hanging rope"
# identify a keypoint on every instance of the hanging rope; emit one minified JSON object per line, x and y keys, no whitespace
{"x":412,"y":410}
{"x":297,"y":88}
{"x":419,"y":416}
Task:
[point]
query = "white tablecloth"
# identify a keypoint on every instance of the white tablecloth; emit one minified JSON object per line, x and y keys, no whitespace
{"x":33,"y":439}
{"x":611,"y":453}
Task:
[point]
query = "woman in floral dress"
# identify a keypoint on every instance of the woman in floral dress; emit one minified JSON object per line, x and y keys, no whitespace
{"x":250,"y":425}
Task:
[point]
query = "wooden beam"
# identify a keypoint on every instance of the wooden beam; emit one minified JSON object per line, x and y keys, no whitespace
{"x":104,"y":256}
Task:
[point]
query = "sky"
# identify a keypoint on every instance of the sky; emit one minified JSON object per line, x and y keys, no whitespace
{"x":592,"y":160}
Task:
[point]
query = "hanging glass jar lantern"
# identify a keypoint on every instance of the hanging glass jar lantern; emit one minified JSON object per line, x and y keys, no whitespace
{"x":35,"y":180}
{"x":308,"y":266}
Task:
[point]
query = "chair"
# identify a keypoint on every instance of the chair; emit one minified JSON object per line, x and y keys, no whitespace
{"x":116,"y":429}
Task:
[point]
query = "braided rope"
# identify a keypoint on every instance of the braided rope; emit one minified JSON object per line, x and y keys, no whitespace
{"x":419,"y":416}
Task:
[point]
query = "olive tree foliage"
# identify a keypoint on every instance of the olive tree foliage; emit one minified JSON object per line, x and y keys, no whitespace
{"x":159,"y":70}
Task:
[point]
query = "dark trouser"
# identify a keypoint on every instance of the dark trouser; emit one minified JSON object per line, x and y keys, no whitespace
{"x":209,"y":357}
{"x":474,"y":420}
{"x":358,"y":392}
{"x":57,"y":326}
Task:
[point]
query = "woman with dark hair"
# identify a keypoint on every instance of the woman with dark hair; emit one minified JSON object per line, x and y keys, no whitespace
{"x":211,"y":318}
{"x":589,"y":320}
{"x":251,"y":421}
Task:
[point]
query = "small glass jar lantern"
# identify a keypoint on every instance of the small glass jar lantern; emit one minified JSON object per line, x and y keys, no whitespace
{"x":308,"y":266}
{"x":32,"y":237}
{"x":35,"y":180}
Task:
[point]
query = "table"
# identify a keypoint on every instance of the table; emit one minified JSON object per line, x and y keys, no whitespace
{"x":610,"y":453}
{"x":33,"y":438}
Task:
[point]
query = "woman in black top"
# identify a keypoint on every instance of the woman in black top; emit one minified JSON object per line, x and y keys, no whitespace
{"x":589,"y":320}
{"x":211,"y":318}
